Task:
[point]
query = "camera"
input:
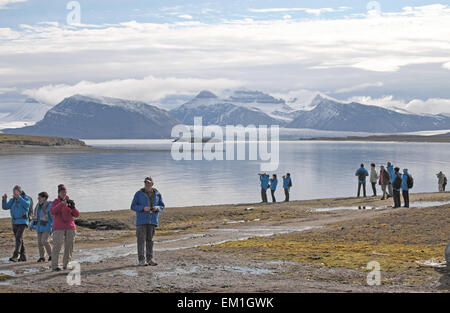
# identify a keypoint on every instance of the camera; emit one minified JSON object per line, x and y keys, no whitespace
{"x":71,"y":204}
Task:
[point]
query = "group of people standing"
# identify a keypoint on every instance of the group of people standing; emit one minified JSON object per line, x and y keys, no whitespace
{"x":271,"y":183}
{"x":391,"y":181}
{"x":56,"y":219}
{"x":49,"y":218}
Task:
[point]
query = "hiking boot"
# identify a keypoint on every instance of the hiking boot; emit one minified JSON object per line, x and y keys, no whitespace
{"x":382,"y":198}
{"x":22,"y":258}
{"x":49,"y":258}
{"x":152,"y":263}
{"x":56,"y":269}
{"x":142,"y":263}
{"x":13,"y":259}
{"x":41,"y":260}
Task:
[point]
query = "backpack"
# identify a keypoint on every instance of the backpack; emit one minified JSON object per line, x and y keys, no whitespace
{"x":397,"y":184}
{"x":290,"y":183}
{"x":30,"y":211}
{"x":445,"y":180}
{"x":410,"y":181}
{"x":361,"y":175}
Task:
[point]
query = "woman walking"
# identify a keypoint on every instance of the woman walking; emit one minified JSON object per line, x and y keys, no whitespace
{"x":64,"y":211}
{"x":43,"y":223}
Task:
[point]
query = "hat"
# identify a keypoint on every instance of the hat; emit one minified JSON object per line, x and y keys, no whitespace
{"x":148,"y":180}
{"x":61,"y":187}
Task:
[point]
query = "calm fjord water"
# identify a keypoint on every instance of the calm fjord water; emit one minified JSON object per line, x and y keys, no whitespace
{"x":108,"y":181}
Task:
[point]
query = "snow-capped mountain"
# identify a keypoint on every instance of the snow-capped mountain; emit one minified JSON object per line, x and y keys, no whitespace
{"x":102,"y":118}
{"x":333,"y":115}
{"x":240,"y":107}
{"x":29,"y":112}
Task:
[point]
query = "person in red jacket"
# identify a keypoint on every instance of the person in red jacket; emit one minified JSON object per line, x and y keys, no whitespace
{"x":63,"y":211}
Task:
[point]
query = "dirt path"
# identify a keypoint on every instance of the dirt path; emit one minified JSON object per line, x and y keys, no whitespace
{"x":184,"y":267}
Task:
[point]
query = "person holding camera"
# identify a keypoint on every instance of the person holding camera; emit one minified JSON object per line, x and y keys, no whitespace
{"x":43,"y":223}
{"x":19,"y":208}
{"x":264,"y":179}
{"x":64,"y":211}
{"x":147,"y":203}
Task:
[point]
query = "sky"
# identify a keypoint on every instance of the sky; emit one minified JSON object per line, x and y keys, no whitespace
{"x":385,"y":53}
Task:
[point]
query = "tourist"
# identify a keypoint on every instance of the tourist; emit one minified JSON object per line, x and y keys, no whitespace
{"x":384,"y":181}
{"x":64,"y":211}
{"x":390,"y":170}
{"x":441,"y":181}
{"x":273,"y":186}
{"x":373,"y":178}
{"x":362,"y":174}
{"x":396,"y":186}
{"x":147,"y":203}
{"x":264,"y":179}
{"x":43,"y":223}
{"x":287,"y":184}
{"x":19,"y":208}
{"x":407,"y":183}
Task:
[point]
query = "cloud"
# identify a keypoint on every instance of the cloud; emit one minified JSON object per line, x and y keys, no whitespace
{"x":359,"y":87}
{"x":429,"y":106}
{"x":4,"y":3}
{"x":148,"y":89}
{"x":311,"y":11}
{"x":185,"y":16}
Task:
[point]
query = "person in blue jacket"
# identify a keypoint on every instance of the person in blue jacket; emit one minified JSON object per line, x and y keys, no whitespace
{"x":273,"y":186}
{"x":405,"y":188}
{"x":19,"y":208}
{"x":287,"y":184}
{"x":147,"y":203}
{"x":397,"y":185}
{"x":264,"y":179}
{"x":390,"y":170}
{"x":43,"y":223}
{"x":362,"y":173}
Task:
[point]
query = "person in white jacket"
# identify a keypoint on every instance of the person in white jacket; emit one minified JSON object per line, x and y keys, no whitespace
{"x":373,"y":178}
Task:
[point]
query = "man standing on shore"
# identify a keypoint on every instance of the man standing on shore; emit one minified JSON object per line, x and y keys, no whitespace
{"x":147,"y":203}
{"x":19,"y":208}
{"x":362,"y":173}
{"x":397,"y":185}
{"x":264,"y":178}
{"x":390,"y":170}
{"x":287,"y":184}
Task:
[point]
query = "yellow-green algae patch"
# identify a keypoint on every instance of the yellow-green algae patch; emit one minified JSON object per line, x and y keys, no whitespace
{"x":396,"y":240}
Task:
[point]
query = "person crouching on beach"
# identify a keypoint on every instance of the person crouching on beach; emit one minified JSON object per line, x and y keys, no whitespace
{"x":147,"y":203}
{"x":64,"y":211}
{"x":19,"y":208}
{"x":43,"y":223}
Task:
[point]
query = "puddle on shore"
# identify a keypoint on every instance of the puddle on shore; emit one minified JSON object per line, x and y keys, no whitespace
{"x":8,"y":272}
{"x":4,"y":260}
{"x":130,"y":273}
{"x":177,"y":272}
{"x":211,"y":237}
{"x":247,"y":270}
{"x":413,"y":205}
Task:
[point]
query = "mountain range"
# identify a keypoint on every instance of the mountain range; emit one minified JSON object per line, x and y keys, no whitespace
{"x":101,"y":117}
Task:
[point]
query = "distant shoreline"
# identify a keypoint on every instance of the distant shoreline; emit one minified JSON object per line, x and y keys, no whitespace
{"x":445,"y":138}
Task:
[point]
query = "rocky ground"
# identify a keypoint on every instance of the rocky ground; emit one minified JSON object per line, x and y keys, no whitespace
{"x":302,"y":246}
